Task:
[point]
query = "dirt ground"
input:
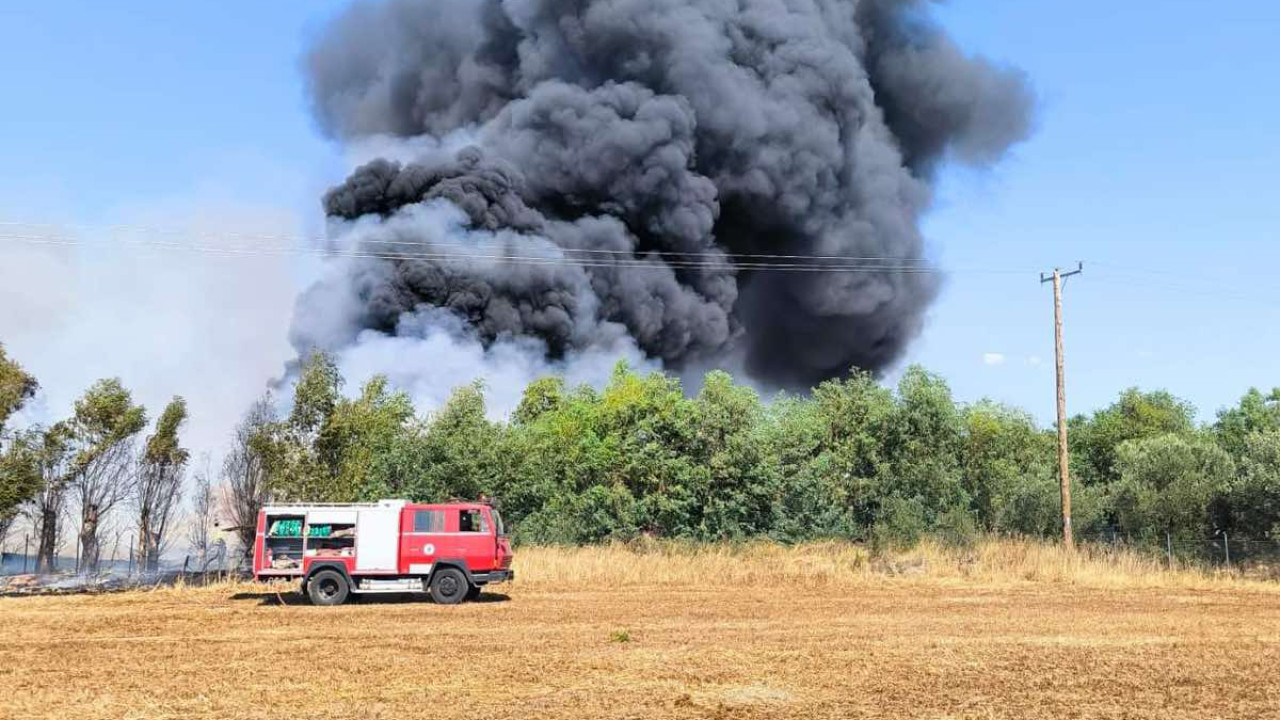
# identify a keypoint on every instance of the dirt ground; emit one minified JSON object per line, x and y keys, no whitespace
{"x":902,"y":649}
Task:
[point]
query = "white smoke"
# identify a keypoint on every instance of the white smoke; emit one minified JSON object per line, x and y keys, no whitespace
{"x":431,"y":351}
{"x":165,"y":320}
{"x":434,"y":352}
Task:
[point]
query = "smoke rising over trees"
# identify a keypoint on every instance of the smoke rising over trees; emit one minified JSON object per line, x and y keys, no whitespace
{"x":591,"y":176}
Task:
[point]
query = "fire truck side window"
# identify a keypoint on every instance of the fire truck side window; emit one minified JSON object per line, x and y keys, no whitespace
{"x":471,"y":521}
{"x":428,"y":521}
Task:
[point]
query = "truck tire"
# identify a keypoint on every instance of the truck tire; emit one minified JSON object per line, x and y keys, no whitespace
{"x":328,"y":587}
{"x":449,"y":586}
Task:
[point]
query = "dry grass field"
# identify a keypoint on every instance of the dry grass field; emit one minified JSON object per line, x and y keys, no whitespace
{"x":1005,"y":630}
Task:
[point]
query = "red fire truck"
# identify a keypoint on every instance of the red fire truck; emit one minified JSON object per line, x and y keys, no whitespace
{"x":449,"y":550}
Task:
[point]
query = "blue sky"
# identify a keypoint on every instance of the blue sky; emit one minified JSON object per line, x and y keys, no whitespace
{"x":1154,"y":162}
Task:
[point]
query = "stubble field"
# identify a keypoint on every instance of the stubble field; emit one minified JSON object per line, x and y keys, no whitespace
{"x":1001,"y":631}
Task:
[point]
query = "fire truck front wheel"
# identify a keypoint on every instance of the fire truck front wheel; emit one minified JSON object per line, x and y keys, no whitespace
{"x":449,"y":586}
{"x":328,"y":587}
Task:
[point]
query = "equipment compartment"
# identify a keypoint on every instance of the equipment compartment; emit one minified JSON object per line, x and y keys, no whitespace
{"x":284,"y":542}
{"x":330,"y":539}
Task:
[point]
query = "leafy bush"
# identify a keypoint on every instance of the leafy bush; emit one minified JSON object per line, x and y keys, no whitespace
{"x":901,"y":524}
{"x":957,"y":528}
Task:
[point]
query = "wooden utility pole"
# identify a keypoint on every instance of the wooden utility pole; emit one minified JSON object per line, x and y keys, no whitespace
{"x":1063,"y":470}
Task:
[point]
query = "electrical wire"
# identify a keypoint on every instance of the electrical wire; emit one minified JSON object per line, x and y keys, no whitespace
{"x":303,"y":240}
{"x":879,"y":265}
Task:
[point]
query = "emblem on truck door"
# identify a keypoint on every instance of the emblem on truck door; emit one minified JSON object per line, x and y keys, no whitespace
{"x":428,"y":549}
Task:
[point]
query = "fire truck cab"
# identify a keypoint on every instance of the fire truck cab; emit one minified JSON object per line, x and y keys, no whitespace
{"x":448,"y":550}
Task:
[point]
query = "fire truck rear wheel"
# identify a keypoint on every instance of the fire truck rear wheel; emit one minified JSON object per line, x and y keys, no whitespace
{"x":328,"y":587}
{"x":449,"y":586}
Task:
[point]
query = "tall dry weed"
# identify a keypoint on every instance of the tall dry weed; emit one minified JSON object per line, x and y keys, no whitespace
{"x":992,"y":561}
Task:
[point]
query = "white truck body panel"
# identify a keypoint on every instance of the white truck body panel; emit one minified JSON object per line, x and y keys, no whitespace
{"x":378,"y":539}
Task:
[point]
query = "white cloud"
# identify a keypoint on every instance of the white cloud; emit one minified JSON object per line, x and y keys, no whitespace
{"x":1035,"y":361}
{"x":993,"y":358}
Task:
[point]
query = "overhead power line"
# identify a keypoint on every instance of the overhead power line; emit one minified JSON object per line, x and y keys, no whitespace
{"x":635,"y":262}
{"x":506,"y":255}
{"x":312,"y":241}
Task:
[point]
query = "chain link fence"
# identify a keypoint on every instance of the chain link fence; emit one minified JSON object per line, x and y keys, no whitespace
{"x":1259,"y":557}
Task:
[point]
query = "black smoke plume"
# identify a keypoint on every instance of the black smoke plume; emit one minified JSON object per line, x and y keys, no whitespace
{"x":623,"y":158}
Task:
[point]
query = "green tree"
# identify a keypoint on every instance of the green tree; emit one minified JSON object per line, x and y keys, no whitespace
{"x":1002,"y":451}
{"x":1255,"y":496}
{"x":553,"y":458}
{"x":1096,"y":439}
{"x":158,"y":490}
{"x":922,"y":445}
{"x":101,"y":434}
{"x":21,"y":478}
{"x":1255,"y":413}
{"x":456,"y":454}
{"x":858,"y":417}
{"x":336,"y":449}
{"x":18,"y":480}
{"x":360,"y":442}
{"x":542,"y":396}
{"x":648,"y":425}
{"x":16,"y":388}
{"x":47,"y":454}
{"x":616,"y":463}
{"x":297,"y":467}
{"x":814,"y":496}
{"x":1033,"y":507}
{"x":741,"y":475}
{"x":1168,"y":484}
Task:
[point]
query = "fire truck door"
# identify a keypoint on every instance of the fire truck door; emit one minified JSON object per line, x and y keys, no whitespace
{"x":423,"y":538}
{"x":475,"y":540}
{"x":378,"y":539}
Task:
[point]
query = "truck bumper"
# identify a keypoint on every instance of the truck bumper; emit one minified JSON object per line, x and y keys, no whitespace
{"x":494,"y":576}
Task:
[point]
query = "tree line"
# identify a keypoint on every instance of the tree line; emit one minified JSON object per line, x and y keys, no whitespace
{"x":852,"y":459}
{"x":89,"y":466}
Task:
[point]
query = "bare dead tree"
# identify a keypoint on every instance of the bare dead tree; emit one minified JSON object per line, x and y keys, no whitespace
{"x":244,"y":474}
{"x":157,"y":494}
{"x":200,"y":529}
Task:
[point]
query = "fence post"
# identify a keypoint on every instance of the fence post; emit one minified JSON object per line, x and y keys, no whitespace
{"x":26,"y":547}
{"x":1226,"y":547}
{"x":130,"y":571}
{"x":1168,"y":542}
